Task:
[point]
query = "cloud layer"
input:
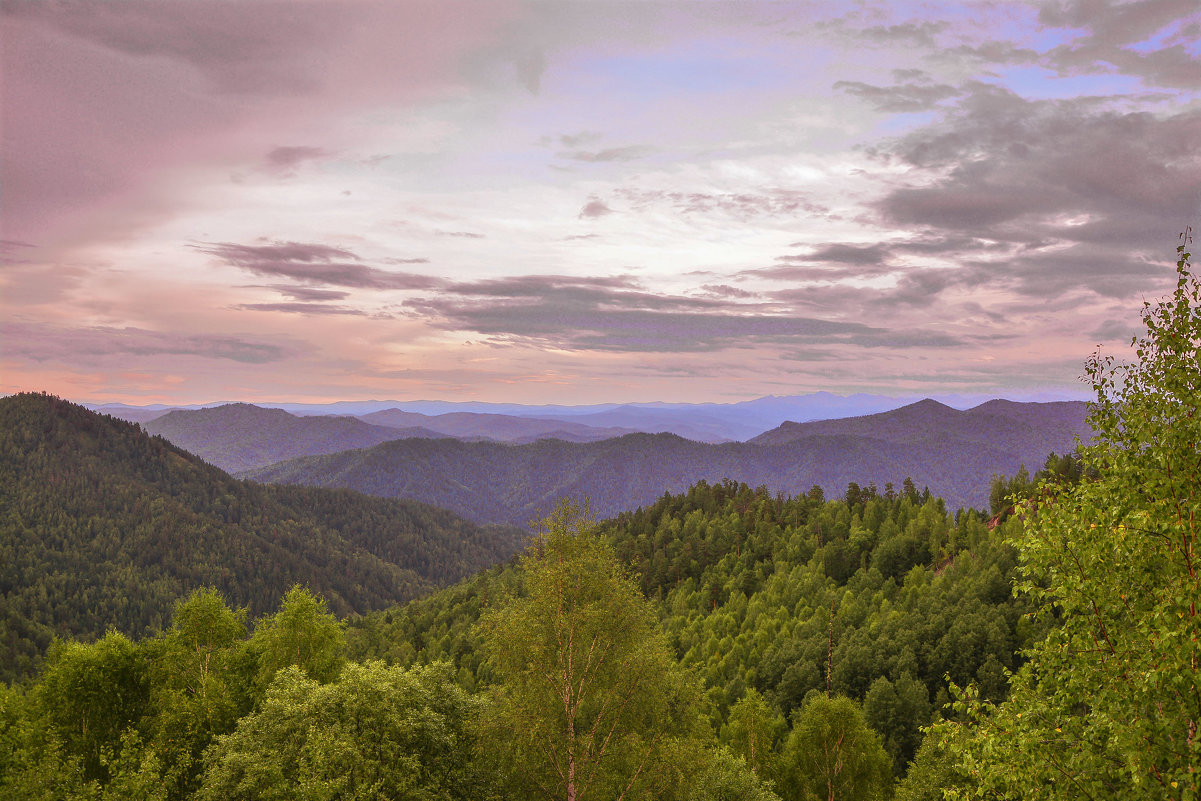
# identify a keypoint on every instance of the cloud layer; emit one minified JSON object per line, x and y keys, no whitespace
{"x":586,"y":202}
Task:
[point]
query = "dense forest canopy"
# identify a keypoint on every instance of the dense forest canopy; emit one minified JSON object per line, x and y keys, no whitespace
{"x":761,"y":606}
{"x":105,"y":527}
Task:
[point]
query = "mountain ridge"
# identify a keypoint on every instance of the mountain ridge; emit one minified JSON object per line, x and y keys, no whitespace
{"x":705,"y":421}
{"x":491,"y":482}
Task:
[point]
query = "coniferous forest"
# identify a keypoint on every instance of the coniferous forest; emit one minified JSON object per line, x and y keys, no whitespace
{"x":173,"y":633}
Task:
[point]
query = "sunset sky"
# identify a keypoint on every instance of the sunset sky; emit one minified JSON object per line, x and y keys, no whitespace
{"x":583,"y":202}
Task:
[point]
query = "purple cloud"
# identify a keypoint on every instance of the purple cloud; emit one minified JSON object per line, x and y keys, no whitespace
{"x":284,"y":160}
{"x":307,"y":294}
{"x":611,"y":315}
{"x":902,"y":97}
{"x":301,"y":308}
{"x":41,"y":343}
{"x":739,"y":205}
{"x":594,"y":208}
{"x":314,"y":264}
{"x":628,"y":153}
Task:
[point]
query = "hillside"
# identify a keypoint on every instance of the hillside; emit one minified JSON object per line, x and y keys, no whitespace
{"x":491,"y":482}
{"x":239,"y":436}
{"x":104,"y":526}
{"x":744,"y":582}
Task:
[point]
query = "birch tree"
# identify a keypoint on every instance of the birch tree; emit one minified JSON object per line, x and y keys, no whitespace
{"x":589,"y":703}
{"x":1109,"y":703}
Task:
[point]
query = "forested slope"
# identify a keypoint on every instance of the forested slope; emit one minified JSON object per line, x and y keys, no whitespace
{"x":875,"y":597}
{"x":103,"y":526}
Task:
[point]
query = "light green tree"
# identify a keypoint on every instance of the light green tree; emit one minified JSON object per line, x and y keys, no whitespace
{"x":301,"y":633}
{"x":199,"y":684}
{"x":751,"y":731}
{"x":929,"y":774}
{"x":34,"y":765}
{"x":590,"y":703}
{"x":727,"y":777}
{"x":91,"y":693}
{"x":1109,"y":703}
{"x":378,"y":732}
{"x":833,"y":755}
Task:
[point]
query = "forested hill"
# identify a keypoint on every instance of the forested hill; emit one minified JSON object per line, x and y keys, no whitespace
{"x":104,"y":526}
{"x":239,"y":436}
{"x":745,"y":583}
{"x":491,"y":482}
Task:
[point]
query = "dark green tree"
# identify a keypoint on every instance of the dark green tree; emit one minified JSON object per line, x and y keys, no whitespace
{"x":899,"y":710}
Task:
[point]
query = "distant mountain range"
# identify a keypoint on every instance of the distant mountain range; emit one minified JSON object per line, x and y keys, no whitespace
{"x":703,"y":422}
{"x":239,"y":436}
{"x":103,"y":525}
{"x":955,"y":453}
{"x":498,"y":427}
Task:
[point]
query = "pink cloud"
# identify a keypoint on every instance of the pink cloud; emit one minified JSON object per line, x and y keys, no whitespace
{"x":106,"y":104}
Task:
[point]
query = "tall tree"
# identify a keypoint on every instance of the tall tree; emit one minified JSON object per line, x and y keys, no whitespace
{"x":200,"y":684}
{"x":301,"y":633}
{"x":751,"y":731}
{"x":92,"y":693}
{"x":1108,"y":705}
{"x":590,"y":702}
{"x":832,"y":755}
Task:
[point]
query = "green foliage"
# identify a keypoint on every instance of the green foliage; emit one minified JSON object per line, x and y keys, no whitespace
{"x":898,"y":710}
{"x":1005,"y":493}
{"x":135,"y":771}
{"x":301,"y":633}
{"x":728,"y":778}
{"x":200,"y":688}
{"x":377,"y":732}
{"x":439,"y":627}
{"x":933,"y":769}
{"x":34,"y":765}
{"x":743,"y":595}
{"x":752,"y":731}
{"x":759,"y":603}
{"x":590,"y":703}
{"x":833,"y":754}
{"x":92,"y":693}
{"x":1109,"y":704}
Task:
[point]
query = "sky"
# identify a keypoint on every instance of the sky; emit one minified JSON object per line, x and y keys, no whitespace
{"x":586,"y":201}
